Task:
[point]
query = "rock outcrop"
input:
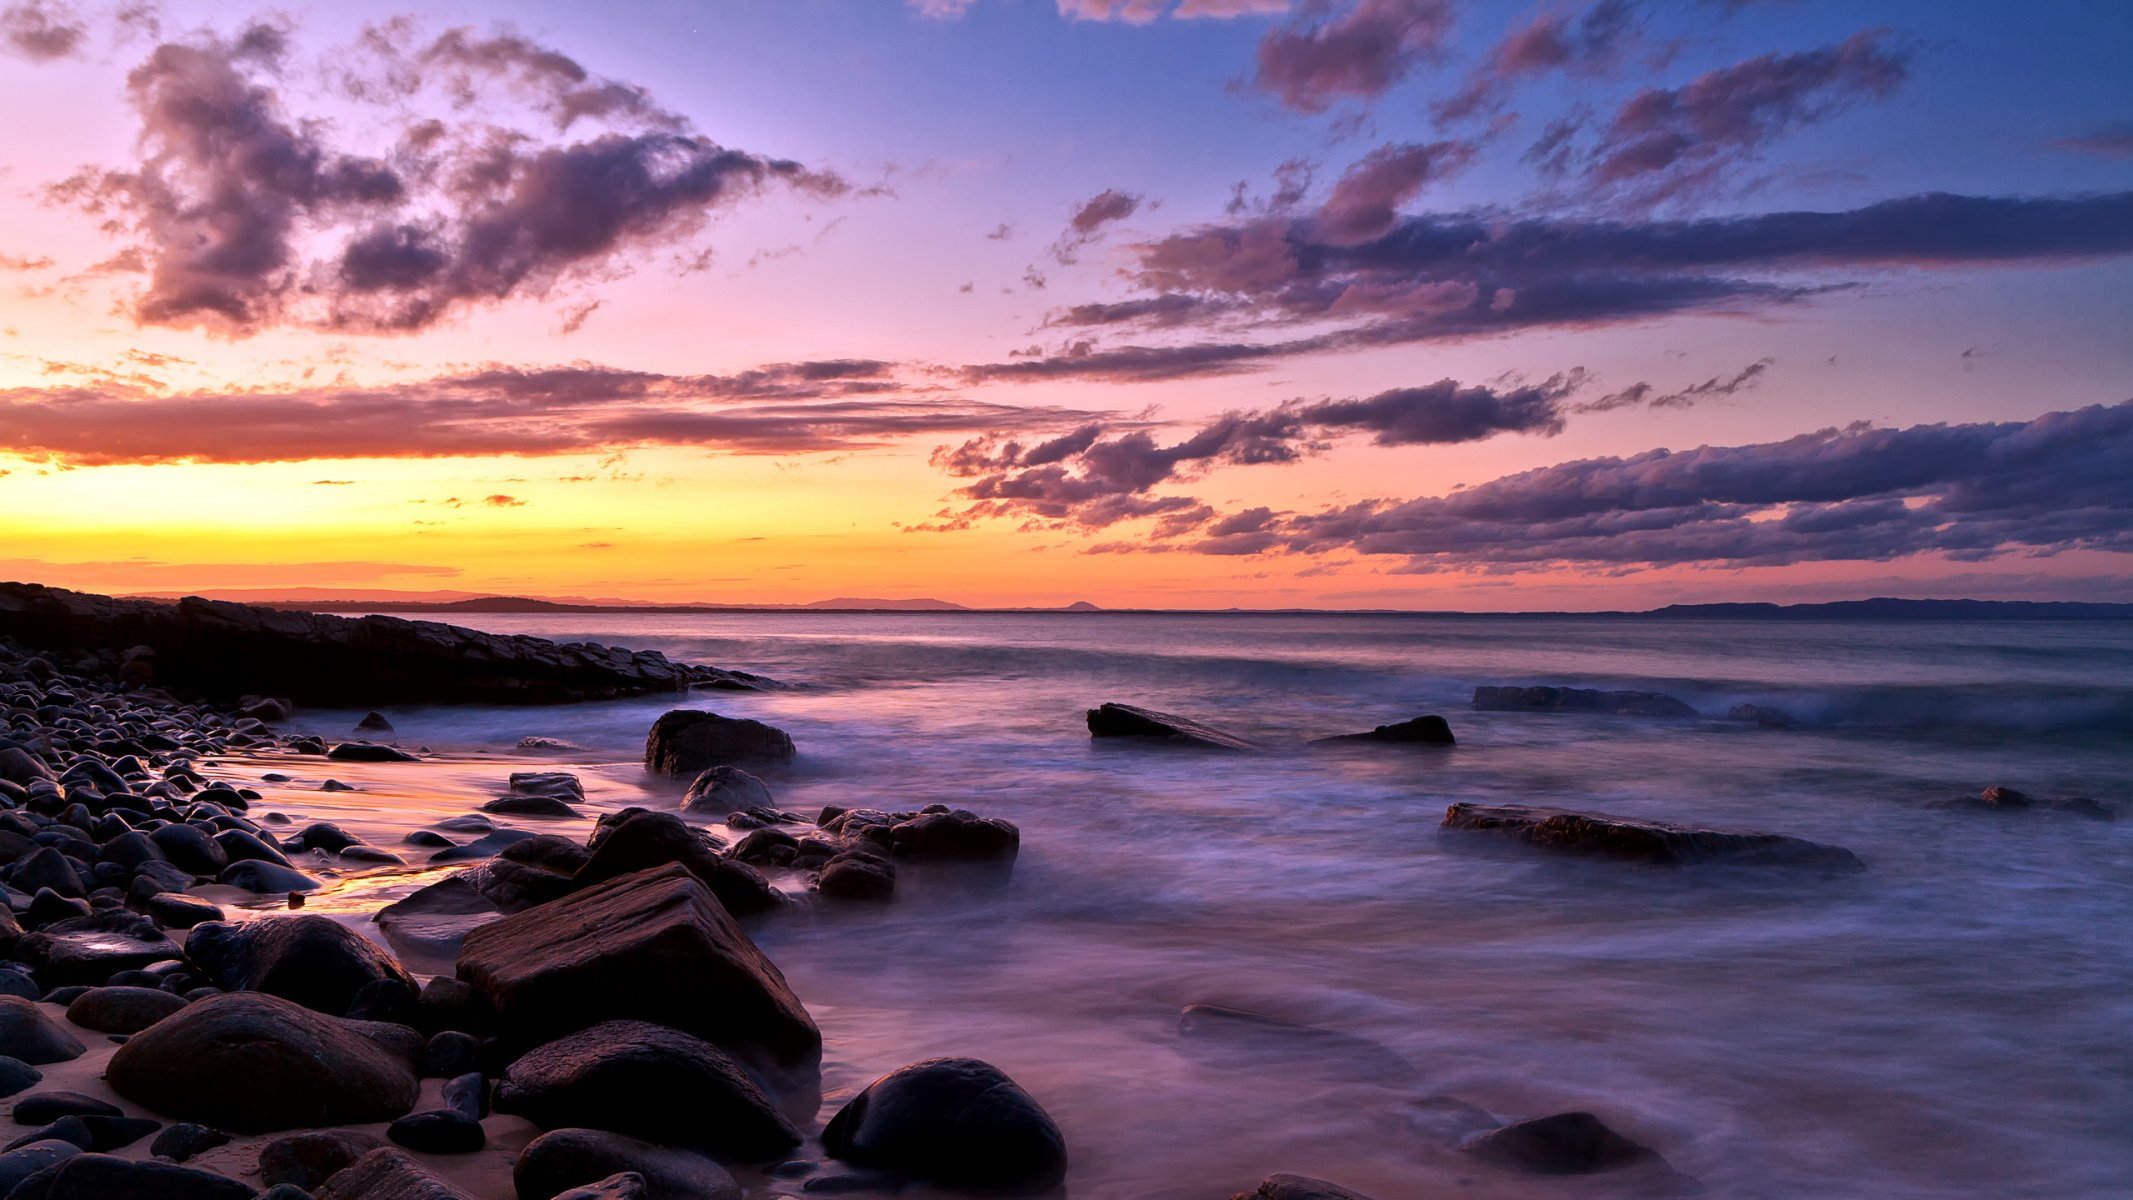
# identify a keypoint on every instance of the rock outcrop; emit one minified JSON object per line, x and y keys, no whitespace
{"x":1656,"y":842}
{"x":1146,"y":724}
{"x":955,"y":1121}
{"x":687,"y":742}
{"x":1430,"y":730}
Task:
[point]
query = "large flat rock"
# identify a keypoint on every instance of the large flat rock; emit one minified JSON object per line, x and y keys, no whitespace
{"x":1600,"y":835}
{"x":1146,"y":724}
{"x":653,"y":946}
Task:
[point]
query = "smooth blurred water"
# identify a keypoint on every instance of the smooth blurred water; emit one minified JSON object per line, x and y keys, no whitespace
{"x":1951,"y":1023}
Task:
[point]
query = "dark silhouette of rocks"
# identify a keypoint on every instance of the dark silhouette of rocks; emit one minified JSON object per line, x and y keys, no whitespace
{"x":1145,"y":724}
{"x":1578,"y":700}
{"x":1655,"y":842}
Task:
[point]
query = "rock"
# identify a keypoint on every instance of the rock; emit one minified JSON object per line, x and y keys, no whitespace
{"x":387,"y":1174}
{"x":1298,"y":1187}
{"x":549,"y":745}
{"x":255,"y":1063}
{"x":369,"y":752}
{"x":104,"y":1177}
{"x":316,"y":961}
{"x":625,"y":1077}
{"x":191,"y":849}
{"x":98,"y":1133}
{"x":1128,"y":721}
{"x":1429,"y":730}
{"x":28,"y":1035}
{"x":1762,"y":714}
{"x":561,"y":784}
{"x":495,"y":842}
{"x":691,"y":741}
{"x":439,"y":1131}
{"x":1579,"y":700}
{"x":530,"y":806}
{"x":1646,"y":841}
{"x":654,"y":946}
{"x":46,"y":868}
{"x":335,"y":785}
{"x":16,"y":1076}
{"x":307,"y":1160}
{"x":265,"y":878}
{"x":19,"y":766}
{"x":18,"y":1165}
{"x":725,"y":789}
{"x":122,"y":1009}
{"x":1573,"y":1143}
{"x":1236,"y":1037}
{"x":19,"y":983}
{"x":374,"y":722}
{"x":554,"y":1163}
{"x":955,"y":1121}
{"x":43,"y":1108}
{"x":857,"y":877}
{"x":186,"y":1140}
{"x":324,"y":835}
{"x":173,"y":910}
{"x":622,"y":1185}
{"x":2007,"y":799}
{"x":432,"y":922}
{"x":270,"y":709}
{"x":956,"y":836}
{"x":636,"y":839}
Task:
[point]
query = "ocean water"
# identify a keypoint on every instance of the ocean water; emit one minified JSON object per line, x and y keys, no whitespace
{"x":1951,"y":1023}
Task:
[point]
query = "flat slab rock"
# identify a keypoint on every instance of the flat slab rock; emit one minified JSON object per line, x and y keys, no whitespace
{"x":1579,"y":700}
{"x":1130,"y":721}
{"x":1628,"y":838}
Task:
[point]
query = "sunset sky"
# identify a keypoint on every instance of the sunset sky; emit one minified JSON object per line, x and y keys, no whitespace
{"x":1176,"y":303}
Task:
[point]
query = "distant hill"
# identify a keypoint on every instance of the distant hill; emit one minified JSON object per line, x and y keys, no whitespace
{"x":1081,"y":606}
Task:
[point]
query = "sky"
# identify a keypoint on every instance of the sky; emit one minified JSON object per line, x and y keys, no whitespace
{"x":1430,"y":304}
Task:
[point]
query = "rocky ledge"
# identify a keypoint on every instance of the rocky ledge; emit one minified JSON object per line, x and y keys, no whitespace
{"x":223,"y":650}
{"x":1603,"y":836}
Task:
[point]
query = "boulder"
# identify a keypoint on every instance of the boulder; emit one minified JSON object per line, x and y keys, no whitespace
{"x":954,"y":1121}
{"x":122,"y":1009}
{"x":725,"y":789}
{"x":1144,"y":724}
{"x":554,"y":1163}
{"x":531,"y":806}
{"x":387,"y":1174}
{"x":1633,"y":840}
{"x":255,"y":1063}
{"x":16,"y":1075}
{"x":653,"y":946}
{"x":307,"y":1160}
{"x":1578,"y":700}
{"x":35,"y":1158}
{"x":1298,"y":1187}
{"x":1574,"y":1143}
{"x":622,"y":1185}
{"x":857,"y":877}
{"x":439,"y":1131}
{"x":688,"y":742}
{"x":369,"y":752}
{"x":43,"y":1108}
{"x":316,"y":961}
{"x":562,"y":784}
{"x":185,"y":1141}
{"x":106,"y":1177}
{"x":956,"y":836}
{"x":627,"y":1076}
{"x":636,"y":839}
{"x":374,"y":722}
{"x":431,"y":922}
{"x":1428,"y":730}
{"x":265,"y":878}
{"x":89,"y":950}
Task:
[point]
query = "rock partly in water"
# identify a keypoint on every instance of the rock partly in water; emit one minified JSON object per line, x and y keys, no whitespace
{"x":1144,"y":724}
{"x":725,"y":789}
{"x":1655,"y":842}
{"x":653,"y":946}
{"x":1578,"y":700}
{"x":554,"y":1163}
{"x":2006,"y":799}
{"x":315,"y":961}
{"x":688,"y":742}
{"x":90,"y":950}
{"x":955,"y":1121}
{"x":1574,"y":1143}
{"x":1763,"y":715}
{"x":256,"y":1063}
{"x":625,"y":1076}
{"x":637,"y":839}
{"x":1298,"y":1187}
{"x":370,"y":752}
{"x":1430,"y":730}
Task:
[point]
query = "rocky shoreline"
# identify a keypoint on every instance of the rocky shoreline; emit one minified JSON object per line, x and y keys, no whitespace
{"x":592,"y":1018}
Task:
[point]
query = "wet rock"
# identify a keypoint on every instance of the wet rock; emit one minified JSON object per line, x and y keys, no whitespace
{"x":265,"y":878}
{"x":725,"y":789}
{"x":374,"y":722}
{"x":315,"y":961}
{"x":172,"y":910}
{"x":1762,"y":714}
{"x":622,"y":1185}
{"x":688,"y":742}
{"x":369,"y":752}
{"x":1144,"y":724}
{"x":1578,"y":700}
{"x":554,"y":1163}
{"x":387,"y":1174}
{"x":531,"y":806}
{"x":431,"y":922}
{"x":439,"y":1131}
{"x":623,"y":1076}
{"x":1574,"y":1143}
{"x":488,"y":845}
{"x":104,"y":1177}
{"x":1428,"y":730}
{"x":956,"y":1121}
{"x":561,"y":784}
{"x":185,"y":1141}
{"x":956,"y":836}
{"x":122,"y":1009}
{"x":549,"y":745}
{"x":857,"y":877}
{"x":2007,"y":799}
{"x":307,"y":1160}
{"x":654,"y":946}
{"x":1654,"y":842}
{"x":637,"y":839}
{"x":1298,"y":1187}
{"x":46,"y":868}
{"x":1240,"y":1038}
{"x":256,"y":1063}
{"x":89,"y":950}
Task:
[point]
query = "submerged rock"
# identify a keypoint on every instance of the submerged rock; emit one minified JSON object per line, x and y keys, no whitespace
{"x":1580,"y":700}
{"x":956,"y":1121}
{"x":1428,"y":730}
{"x":254,"y":1063}
{"x":1762,"y":714}
{"x":2007,"y":799}
{"x":1128,"y":721}
{"x":1655,"y":842}
{"x":1298,"y":1187}
{"x":690,"y":741}
{"x":1574,"y":1143}
{"x":653,"y":946}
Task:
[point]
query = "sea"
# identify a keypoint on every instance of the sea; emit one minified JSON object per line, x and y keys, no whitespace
{"x":1952,"y":1022}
